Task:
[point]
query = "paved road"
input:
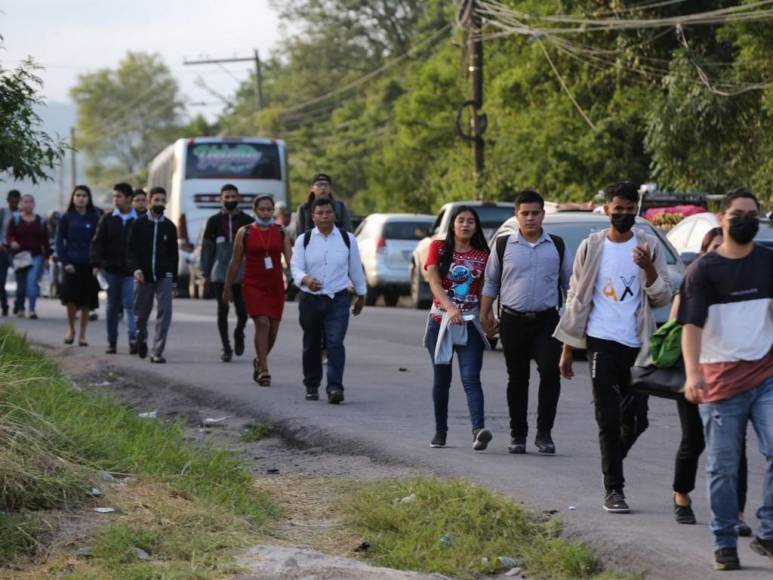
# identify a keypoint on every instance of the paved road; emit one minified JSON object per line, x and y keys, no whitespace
{"x":388,"y":413}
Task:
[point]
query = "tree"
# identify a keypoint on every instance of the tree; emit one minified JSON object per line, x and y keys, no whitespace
{"x":25,"y":151}
{"x":125,"y":117}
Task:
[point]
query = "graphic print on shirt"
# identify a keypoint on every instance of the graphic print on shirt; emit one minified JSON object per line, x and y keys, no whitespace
{"x":461,"y":281}
{"x":610,"y":292}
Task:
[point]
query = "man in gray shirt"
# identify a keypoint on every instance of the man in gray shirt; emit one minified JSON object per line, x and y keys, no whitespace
{"x":529,"y":272}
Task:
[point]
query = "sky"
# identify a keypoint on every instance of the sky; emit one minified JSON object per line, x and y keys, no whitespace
{"x":72,"y":37}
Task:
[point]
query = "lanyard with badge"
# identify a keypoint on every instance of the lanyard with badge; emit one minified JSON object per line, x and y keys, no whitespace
{"x":267,"y":261}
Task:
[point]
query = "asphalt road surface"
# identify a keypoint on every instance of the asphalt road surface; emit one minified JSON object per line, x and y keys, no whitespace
{"x":388,"y":414}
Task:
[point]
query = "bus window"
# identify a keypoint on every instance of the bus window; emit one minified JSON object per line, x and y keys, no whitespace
{"x":233,"y":161}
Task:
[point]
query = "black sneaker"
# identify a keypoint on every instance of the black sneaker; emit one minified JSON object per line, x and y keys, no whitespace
{"x":480,"y":439}
{"x":312,"y":394}
{"x":239,"y":342}
{"x":743,"y":529}
{"x":226,"y":356}
{"x":726,"y":559}
{"x":142,"y":349}
{"x":111,"y":349}
{"x":439,"y":440}
{"x":133,"y":348}
{"x":335,"y":396}
{"x":614,"y":503}
{"x":517,"y":445}
{"x":544,"y":444}
{"x":683,"y":514}
{"x":157,"y":359}
{"x":762,"y":547}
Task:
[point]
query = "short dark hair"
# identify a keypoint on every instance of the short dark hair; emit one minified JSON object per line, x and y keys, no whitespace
{"x":628,"y":190}
{"x":124,"y":188}
{"x":528,"y":196}
{"x":13,"y":193}
{"x":260,"y":198}
{"x":229,"y":187}
{"x":139,"y":191}
{"x":157,"y":189}
{"x":740,"y":193}
{"x":320,"y":201}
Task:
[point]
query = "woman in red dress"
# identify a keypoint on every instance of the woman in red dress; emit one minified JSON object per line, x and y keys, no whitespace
{"x":261,"y":246}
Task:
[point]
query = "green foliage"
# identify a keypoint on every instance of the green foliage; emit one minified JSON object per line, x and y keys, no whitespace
{"x":125,"y":117}
{"x":25,"y":150}
{"x":256,"y":432}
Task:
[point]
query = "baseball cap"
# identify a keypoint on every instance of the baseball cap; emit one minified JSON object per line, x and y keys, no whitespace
{"x":321,"y":177}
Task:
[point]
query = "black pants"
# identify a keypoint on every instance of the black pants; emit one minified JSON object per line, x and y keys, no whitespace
{"x":222,"y":313}
{"x":524,"y":339}
{"x":690,"y":449}
{"x":621,"y":412}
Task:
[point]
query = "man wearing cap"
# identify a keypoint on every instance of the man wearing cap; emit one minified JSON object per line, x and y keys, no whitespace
{"x":321,"y":187}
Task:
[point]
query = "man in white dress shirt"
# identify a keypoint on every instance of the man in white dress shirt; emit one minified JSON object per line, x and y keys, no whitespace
{"x":325,"y":260}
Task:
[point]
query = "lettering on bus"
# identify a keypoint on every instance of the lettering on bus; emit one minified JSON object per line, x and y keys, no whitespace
{"x":222,"y":160}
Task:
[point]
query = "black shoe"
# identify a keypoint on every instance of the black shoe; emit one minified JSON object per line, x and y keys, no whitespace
{"x":743,"y":529}
{"x":614,"y":503}
{"x":133,"y":348}
{"x":226,"y":356}
{"x":335,"y":396}
{"x":726,"y":559}
{"x":142,"y":349}
{"x":33,"y":316}
{"x":545,"y":444}
{"x":517,"y":445}
{"x":239,"y":342}
{"x":683,"y":514}
{"x":157,"y":359}
{"x":481,"y":439}
{"x":93,"y":316}
{"x":312,"y":394}
{"x":762,"y":547}
{"x":439,"y":440}
{"x":111,"y":349}
{"x":5,"y":311}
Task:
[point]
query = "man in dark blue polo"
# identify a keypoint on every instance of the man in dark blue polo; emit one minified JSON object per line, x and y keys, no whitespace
{"x":528,"y":271}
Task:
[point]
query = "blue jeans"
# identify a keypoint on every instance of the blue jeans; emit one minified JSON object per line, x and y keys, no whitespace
{"x":27,"y":288}
{"x":724,"y":423}
{"x":321,"y":316}
{"x":470,"y":359}
{"x":120,"y":293}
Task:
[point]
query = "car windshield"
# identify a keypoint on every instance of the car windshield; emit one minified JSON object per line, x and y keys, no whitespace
{"x":406,"y":230}
{"x":493,"y":216}
{"x":574,"y":233}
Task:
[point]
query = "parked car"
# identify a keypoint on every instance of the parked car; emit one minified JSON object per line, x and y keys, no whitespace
{"x":491,"y":217}
{"x":687,"y":235}
{"x":386,"y":242}
{"x":574,"y":227}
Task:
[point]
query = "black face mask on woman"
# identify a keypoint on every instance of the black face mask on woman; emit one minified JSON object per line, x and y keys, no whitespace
{"x":744,"y":227}
{"x":623,"y":222}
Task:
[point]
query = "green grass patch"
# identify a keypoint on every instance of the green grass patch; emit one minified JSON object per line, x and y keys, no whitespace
{"x":460,"y":529}
{"x":254,"y":433}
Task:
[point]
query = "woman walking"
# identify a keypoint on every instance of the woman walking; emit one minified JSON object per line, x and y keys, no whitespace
{"x":261,"y":246}
{"x":28,"y":239}
{"x":80,"y":289}
{"x":455,"y":268}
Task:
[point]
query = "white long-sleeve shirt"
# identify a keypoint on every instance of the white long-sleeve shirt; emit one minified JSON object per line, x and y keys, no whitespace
{"x":327,"y":259}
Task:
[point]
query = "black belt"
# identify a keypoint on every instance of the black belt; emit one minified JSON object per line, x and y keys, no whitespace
{"x":529,"y":315}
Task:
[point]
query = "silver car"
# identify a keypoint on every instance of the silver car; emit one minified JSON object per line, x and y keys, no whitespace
{"x":574,"y":227}
{"x":386,"y":242}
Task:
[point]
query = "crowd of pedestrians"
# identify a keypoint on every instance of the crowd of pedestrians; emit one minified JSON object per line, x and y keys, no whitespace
{"x":541,"y":302}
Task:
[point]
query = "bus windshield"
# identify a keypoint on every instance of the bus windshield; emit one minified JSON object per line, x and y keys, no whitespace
{"x":233,"y":161}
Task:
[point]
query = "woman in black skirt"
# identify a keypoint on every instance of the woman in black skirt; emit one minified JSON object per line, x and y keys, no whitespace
{"x":80,"y":289}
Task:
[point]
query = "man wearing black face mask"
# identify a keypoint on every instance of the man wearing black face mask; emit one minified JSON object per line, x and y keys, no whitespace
{"x":619,"y":277}
{"x":216,"y":249}
{"x":153,"y":258}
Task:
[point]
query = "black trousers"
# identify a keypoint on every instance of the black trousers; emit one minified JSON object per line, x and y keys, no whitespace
{"x":524,"y":339}
{"x":690,"y":449}
{"x":222,"y":312}
{"x":621,"y":412}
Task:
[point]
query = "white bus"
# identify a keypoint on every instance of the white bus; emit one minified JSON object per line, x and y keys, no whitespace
{"x":193,"y":170}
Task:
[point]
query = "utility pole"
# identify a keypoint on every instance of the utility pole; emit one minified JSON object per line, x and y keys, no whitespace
{"x":73,"y":167}
{"x":470,"y":19}
{"x":258,"y":72}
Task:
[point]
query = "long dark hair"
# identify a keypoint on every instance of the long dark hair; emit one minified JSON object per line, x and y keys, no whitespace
{"x":89,"y":206}
{"x":478,"y":240}
{"x":708,"y":238}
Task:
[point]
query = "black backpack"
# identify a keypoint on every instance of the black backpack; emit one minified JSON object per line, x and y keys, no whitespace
{"x":344,"y":235}
{"x":560,"y":247}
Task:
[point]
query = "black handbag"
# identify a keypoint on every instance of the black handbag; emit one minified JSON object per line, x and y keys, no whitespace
{"x":666,"y":383}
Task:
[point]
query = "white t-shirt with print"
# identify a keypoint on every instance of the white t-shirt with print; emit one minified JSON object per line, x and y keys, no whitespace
{"x":616,"y":296}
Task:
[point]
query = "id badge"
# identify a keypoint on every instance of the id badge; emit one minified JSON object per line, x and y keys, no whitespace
{"x":268,"y":263}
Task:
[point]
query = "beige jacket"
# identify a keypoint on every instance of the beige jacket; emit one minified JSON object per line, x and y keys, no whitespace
{"x":579,"y":301}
